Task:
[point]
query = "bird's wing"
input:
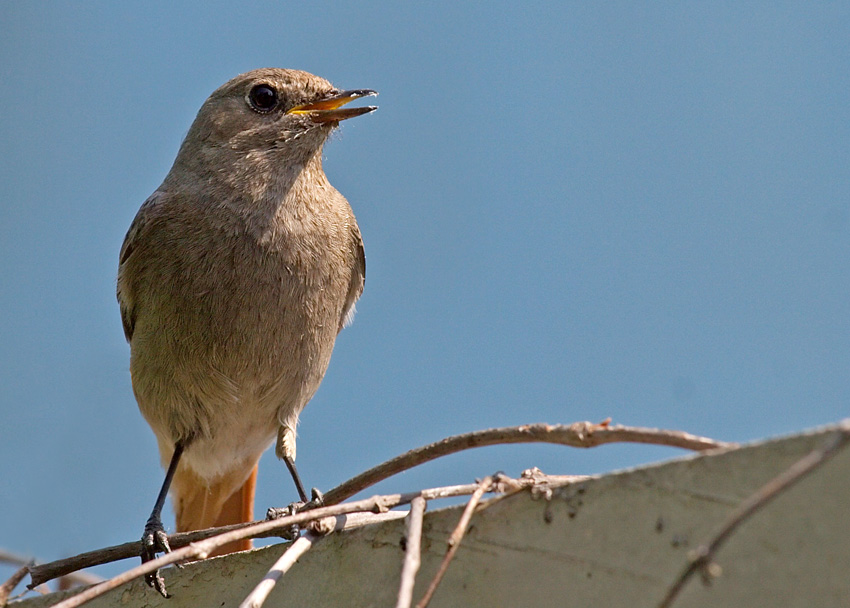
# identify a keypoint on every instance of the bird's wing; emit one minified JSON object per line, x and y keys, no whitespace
{"x":124,"y":288}
{"x":358,"y":279}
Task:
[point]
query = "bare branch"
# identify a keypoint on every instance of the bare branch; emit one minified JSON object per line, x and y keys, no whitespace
{"x":261,"y":592}
{"x":258,"y":596}
{"x":578,"y":434}
{"x":7,"y":557}
{"x":702,"y":557}
{"x":41,"y":573}
{"x":455,"y":538}
{"x":66,"y":581}
{"x":413,"y":538}
{"x":9,"y":586}
{"x":202,"y":549}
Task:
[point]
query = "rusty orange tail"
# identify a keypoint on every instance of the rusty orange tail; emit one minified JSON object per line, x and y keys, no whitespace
{"x":228,"y":500}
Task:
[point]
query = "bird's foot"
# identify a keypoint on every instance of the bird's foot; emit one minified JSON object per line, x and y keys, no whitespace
{"x":292,"y":508}
{"x":154,"y":540}
{"x":317,"y":499}
{"x":293,"y":531}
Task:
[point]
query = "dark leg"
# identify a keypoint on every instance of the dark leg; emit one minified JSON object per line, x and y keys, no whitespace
{"x":285,"y":450}
{"x":290,"y":464}
{"x":296,"y":507}
{"x":154,"y":539}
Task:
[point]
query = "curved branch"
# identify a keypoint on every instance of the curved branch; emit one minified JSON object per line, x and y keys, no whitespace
{"x":203,"y":549}
{"x":578,"y":435}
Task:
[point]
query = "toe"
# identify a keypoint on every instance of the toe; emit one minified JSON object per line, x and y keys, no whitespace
{"x":154,"y":540}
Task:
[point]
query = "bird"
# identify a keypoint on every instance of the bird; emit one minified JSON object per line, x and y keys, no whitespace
{"x":234,"y":279}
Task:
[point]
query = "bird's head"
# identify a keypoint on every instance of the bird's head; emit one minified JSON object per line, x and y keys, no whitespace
{"x":271,"y":114}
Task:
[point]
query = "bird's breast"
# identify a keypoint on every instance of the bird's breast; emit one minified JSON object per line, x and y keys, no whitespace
{"x":235,"y":316}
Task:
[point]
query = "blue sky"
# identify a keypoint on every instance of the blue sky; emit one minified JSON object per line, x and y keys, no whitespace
{"x":571,"y":211}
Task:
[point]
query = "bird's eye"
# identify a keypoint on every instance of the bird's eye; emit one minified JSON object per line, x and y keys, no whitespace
{"x":263,"y":98}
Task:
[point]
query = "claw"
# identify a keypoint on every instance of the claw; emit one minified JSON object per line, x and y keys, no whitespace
{"x":293,"y":531}
{"x":155,"y":540}
{"x":318,"y":500}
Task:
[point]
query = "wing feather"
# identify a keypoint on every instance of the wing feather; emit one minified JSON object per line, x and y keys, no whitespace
{"x":358,"y":279}
{"x":125,"y":289}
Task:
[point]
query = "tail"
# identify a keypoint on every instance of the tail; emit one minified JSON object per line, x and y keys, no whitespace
{"x":226,"y":500}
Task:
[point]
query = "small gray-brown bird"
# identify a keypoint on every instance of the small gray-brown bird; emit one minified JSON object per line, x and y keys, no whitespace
{"x":235,"y":278}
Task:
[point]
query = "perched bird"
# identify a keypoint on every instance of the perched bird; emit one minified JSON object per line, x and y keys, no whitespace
{"x":234,"y":279}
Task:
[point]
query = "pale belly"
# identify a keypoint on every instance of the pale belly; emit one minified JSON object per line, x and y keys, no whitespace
{"x":222,"y":363}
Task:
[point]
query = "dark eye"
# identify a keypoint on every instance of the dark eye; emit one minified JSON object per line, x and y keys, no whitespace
{"x":263,"y":98}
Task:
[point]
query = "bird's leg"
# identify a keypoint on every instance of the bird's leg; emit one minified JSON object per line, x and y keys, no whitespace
{"x":154,"y":539}
{"x":290,"y":464}
{"x":285,"y":450}
{"x":316,"y":497}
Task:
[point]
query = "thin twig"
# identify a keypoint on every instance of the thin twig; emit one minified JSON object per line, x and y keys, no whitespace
{"x":702,"y":558}
{"x":9,"y":586}
{"x":41,"y":573}
{"x":578,"y":434}
{"x":202,"y":549}
{"x":258,"y":596}
{"x":24,"y":563}
{"x":455,"y":538}
{"x":7,"y":557}
{"x":412,"y":558}
{"x":66,"y":581}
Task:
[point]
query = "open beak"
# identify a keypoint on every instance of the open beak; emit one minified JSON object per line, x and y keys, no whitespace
{"x":331,"y":110}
